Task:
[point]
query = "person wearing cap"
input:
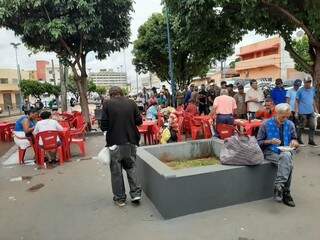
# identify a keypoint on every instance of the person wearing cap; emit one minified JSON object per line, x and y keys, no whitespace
{"x":273,"y":133}
{"x":278,"y":94}
{"x":240,"y":98}
{"x":254,"y":99}
{"x":120,"y":118}
{"x":305,"y":108}
{"x":291,"y":99}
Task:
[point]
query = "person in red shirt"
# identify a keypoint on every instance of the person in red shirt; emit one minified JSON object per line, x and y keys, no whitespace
{"x":268,"y":111}
{"x":192,"y":108}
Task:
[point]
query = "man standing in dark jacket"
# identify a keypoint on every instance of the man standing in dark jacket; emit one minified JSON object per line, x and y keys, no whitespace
{"x":120,"y":118}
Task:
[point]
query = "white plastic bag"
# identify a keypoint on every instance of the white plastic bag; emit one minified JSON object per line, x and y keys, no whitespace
{"x":104,"y":156}
{"x":316,"y":116}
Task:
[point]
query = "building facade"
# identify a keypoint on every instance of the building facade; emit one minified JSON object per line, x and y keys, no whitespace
{"x":267,"y":60}
{"x":108,"y":78}
{"x":9,"y":88}
{"x":41,"y":70}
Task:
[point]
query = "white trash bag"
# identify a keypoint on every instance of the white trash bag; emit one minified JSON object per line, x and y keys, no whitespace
{"x":104,"y":156}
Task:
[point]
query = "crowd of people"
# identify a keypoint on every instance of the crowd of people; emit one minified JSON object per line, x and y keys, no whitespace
{"x":228,"y":103}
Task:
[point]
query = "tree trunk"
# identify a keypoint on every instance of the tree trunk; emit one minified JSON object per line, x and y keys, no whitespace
{"x":82,"y":88}
{"x":64,"y":105}
{"x":316,"y":76}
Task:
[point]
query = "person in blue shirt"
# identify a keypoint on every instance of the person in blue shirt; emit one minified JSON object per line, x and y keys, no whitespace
{"x":152,"y":111}
{"x":24,"y":128}
{"x":278,"y":94}
{"x":291,"y":99}
{"x":305,"y":108}
{"x":188,"y":95}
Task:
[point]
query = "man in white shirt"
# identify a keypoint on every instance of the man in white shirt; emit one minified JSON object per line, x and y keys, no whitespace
{"x":47,"y":124}
{"x":254,"y":99}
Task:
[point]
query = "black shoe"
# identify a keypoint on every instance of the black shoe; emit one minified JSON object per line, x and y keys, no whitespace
{"x":313,"y":144}
{"x":136,"y":200}
{"x":287,"y":200}
{"x":278,"y":194}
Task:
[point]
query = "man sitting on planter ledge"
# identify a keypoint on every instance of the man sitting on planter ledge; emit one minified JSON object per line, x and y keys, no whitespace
{"x":274,"y":133}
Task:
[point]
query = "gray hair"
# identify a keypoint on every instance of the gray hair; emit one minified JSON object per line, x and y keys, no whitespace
{"x":224,"y":92}
{"x":283,"y":108}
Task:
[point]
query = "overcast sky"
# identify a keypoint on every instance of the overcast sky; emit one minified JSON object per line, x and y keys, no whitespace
{"x":143,"y":10}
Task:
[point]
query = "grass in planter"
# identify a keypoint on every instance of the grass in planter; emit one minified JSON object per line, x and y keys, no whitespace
{"x":200,"y":162}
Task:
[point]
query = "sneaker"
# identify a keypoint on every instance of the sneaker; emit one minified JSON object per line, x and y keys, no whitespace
{"x":287,"y":200}
{"x":313,"y":144}
{"x":136,"y":199}
{"x":120,"y":203}
{"x":278,"y":194}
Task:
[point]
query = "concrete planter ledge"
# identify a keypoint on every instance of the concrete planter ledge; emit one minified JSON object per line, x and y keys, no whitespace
{"x":180,"y":192}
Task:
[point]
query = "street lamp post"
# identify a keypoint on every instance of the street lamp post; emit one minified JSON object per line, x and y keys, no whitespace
{"x":15,"y":46}
{"x":172,"y":80}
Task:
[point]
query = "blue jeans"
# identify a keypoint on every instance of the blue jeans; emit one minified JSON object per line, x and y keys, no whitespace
{"x":225,"y":119}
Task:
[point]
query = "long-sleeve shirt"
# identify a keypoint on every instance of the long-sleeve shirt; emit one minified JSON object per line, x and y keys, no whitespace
{"x":120,"y":118}
{"x":262,"y":134}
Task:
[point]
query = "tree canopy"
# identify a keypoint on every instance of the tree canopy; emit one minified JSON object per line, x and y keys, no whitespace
{"x":71,"y":29}
{"x":37,"y":89}
{"x":267,"y":17}
{"x":151,"y":52}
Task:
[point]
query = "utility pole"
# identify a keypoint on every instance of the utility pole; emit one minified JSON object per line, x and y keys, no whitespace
{"x":15,"y":46}
{"x":53,"y":72}
{"x":172,"y":80}
{"x":137,"y":81}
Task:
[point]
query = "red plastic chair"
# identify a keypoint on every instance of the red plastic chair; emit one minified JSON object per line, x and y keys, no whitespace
{"x":155,"y":134}
{"x":196,"y":129}
{"x":160,"y":121}
{"x":49,"y":143}
{"x":8,"y":132}
{"x":180,"y":130}
{"x":206,"y":129}
{"x":225,"y":130}
{"x":187,"y":123}
{"x":144,"y":130}
{"x":64,"y":123}
{"x":77,"y":136}
{"x":78,"y":121}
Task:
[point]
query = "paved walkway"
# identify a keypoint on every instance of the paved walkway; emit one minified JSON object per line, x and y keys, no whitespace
{"x":75,"y":203}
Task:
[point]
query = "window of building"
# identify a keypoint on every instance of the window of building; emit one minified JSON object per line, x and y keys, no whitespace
{"x":4,"y":80}
{"x":14,"y":81}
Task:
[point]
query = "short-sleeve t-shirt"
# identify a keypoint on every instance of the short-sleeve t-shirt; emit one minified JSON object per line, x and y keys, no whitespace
{"x":225,"y":104}
{"x":291,"y":94}
{"x":305,"y":99}
{"x":254,"y":94}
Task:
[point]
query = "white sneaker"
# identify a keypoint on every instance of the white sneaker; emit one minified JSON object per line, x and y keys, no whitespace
{"x":136,"y":199}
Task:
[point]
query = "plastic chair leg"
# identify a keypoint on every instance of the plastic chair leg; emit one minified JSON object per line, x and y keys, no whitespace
{"x":61,"y":157}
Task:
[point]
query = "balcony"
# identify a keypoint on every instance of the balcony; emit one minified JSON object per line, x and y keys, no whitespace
{"x":5,"y":87}
{"x":270,"y":60}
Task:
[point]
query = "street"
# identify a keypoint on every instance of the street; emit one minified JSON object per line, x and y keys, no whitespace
{"x":74,"y":202}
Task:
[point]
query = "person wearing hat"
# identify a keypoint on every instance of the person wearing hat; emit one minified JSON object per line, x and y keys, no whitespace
{"x":278,"y":94}
{"x":291,"y":99}
{"x":240,"y":98}
{"x":305,"y":108}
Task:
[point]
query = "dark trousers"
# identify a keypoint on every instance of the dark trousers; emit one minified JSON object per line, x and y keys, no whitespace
{"x":294,"y":119}
{"x":124,"y":157}
{"x":203,"y":109}
{"x":225,"y":119}
{"x":309,"y":118}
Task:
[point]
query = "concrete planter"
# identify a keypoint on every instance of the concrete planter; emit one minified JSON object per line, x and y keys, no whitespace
{"x":180,"y":192}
